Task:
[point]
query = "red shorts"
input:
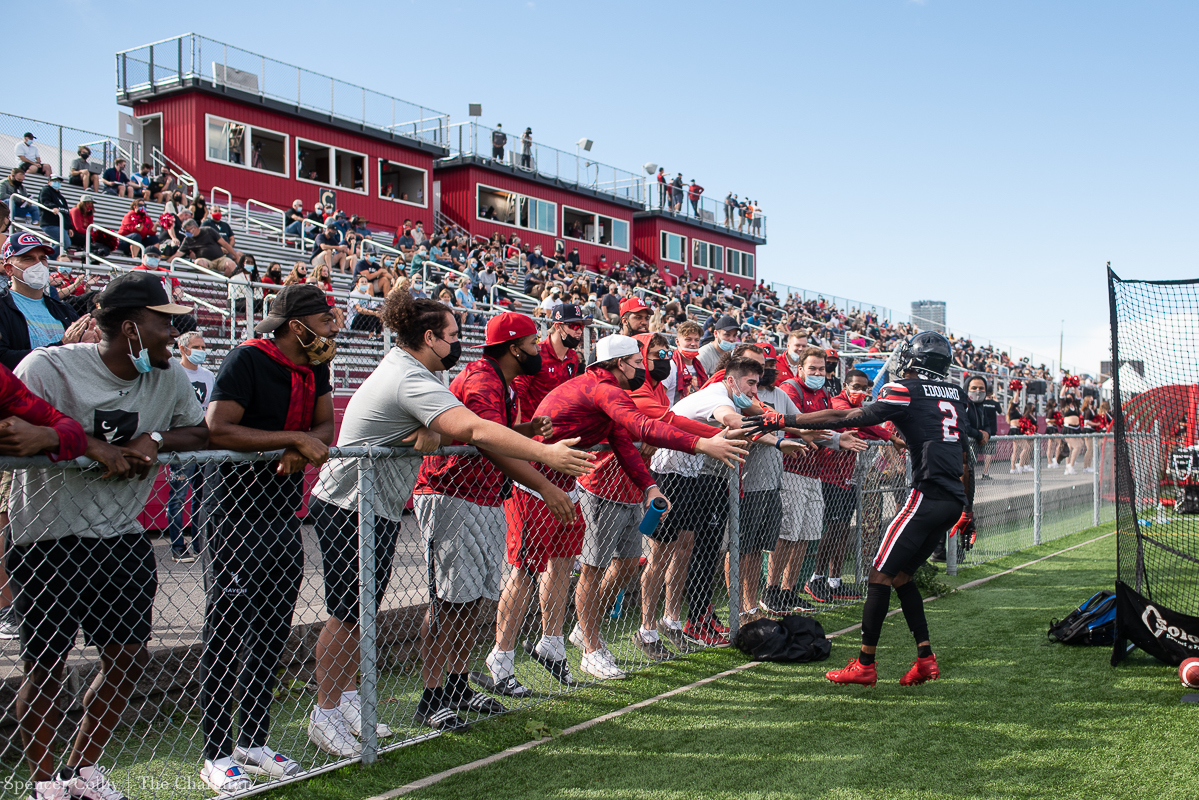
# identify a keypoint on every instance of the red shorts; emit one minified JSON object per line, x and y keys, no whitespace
{"x":535,"y":536}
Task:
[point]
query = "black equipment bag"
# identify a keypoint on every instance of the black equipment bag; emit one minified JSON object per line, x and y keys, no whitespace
{"x":792,"y":639}
{"x":1092,"y":623}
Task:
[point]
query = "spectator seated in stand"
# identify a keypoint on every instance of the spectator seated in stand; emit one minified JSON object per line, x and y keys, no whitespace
{"x":217,"y":223}
{"x":83,"y":172}
{"x":206,"y":247}
{"x":162,"y":185}
{"x":56,"y":226}
{"x":21,"y":209}
{"x":139,"y":182}
{"x":115,"y":180}
{"x":28,"y":158}
{"x":362,"y":308}
{"x":376,"y":273}
{"x":136,"y":225}
{"x":327,"y":248}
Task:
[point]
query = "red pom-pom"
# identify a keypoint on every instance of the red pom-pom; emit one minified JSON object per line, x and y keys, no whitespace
{"x":1015,"y":385}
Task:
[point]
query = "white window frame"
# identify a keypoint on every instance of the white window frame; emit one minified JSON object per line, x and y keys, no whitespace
{"x":424,"y":192}
{"x":741,"y":256}
{"x":708,"y":245}
{"x":662,"y":249}
{"x":595,"y":215}
{"x":511,"y":194}
{"x":210,"y":118}
{"x":366,"y":167}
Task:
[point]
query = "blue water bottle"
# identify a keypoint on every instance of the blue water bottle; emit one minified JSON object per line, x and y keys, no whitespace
{"x":649,"y":523}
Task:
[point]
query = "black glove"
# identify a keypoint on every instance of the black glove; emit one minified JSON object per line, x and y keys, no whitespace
{"x":769,"y":422}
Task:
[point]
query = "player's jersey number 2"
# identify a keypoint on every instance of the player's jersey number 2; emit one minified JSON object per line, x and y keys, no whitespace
{"x":949,"y":431}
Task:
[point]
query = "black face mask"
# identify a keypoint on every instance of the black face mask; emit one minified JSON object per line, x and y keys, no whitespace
{"x":637,"y":380}
{"x":661,"y":369}
{"x":769,"y":376}
{"x":571,"y":342}
{"x":531,"y":363}
{"x":450,"y":359}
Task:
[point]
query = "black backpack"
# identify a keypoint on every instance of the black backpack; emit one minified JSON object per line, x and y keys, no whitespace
{"x":793,"y":639}
{"x":1093,"y":623}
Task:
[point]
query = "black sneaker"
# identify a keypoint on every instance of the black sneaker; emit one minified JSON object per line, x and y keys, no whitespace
{"x":938,"y":553}
{"x":559,"y":668}
{"x":479,"y":703}
{"x":818,"y":590}
{"x":8,"y":623}
{"x":443,"y":719}
{"x":795,"y":602}
{"x":674,"y":636}
{"x":773,"y":601}
{"x":655,"y":650}
{"x":846,"y":591}
{"x":509,"y":687}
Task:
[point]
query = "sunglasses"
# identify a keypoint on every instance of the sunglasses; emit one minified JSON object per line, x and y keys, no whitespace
{"x":662,"y":353}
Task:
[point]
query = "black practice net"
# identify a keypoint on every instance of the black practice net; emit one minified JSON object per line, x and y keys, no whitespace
{"x":1155,"y":366}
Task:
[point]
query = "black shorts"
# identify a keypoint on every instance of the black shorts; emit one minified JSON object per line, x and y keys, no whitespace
{"x":696,"y":504}
{"x":839,"y":502}
{"x":337,"y":532}
{"x":761,"y":520}
{"x":922,"y":522}
{"x":104,"y":586}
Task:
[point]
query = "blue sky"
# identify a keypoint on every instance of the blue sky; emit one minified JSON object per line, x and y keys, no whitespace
{"x":992,"y":155}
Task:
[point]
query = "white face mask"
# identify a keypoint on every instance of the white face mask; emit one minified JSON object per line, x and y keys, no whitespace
{"x":36,"y":277}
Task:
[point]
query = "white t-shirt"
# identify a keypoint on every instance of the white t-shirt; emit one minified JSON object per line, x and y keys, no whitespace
{"x":698,"y":406}
{"x":400,"y":396}
{"x":27,"y":150}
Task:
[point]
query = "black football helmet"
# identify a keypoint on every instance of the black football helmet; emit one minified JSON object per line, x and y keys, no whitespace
{"x":927,"y":352}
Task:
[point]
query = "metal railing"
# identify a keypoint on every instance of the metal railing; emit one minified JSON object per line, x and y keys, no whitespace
{"x":57,"y":145}
{"x":159,"y":159}
{"x":191,"y":57}
{"x":62,"y":217}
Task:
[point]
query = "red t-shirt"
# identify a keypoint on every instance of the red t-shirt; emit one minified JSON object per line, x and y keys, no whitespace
{"x":594,"y":408}
{"x":474,"y":478}
{"x":532,"y":389}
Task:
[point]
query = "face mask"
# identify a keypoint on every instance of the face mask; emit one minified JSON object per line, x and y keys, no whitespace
{"x":741,"y":401}
{"x":570,"y":342}
{"x":141,"y":362}
{"x":531,"y":363}
{"x":638,"y":379}
{"x":151,"y":261}
{"x":688,"y":354}
{"x":661,"y":370}
{"x":977,"y":397}
{"x":769,"y":376}
{"x":56,"y":184}
{"x":36,"y":277}
{"x":198,"y":357}
{"x":793,"y":357}
{"x":726,"y":346}
{"x":64,"y":271}
{"x":855,"y":398}
{"x":320,"y":349}
{"x":813,"y":382}
{"x":451,"y":358}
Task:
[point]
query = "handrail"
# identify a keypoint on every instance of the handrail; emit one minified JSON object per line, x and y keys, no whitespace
{"x":189,"y":263}
{"x":212,"y":196}
{"x":62,"y":218}
{"x":700,"y":309}
{"x":183,"y":175}
{"x":643,"y":290}
{"x":87,"y":241}
{"x":282,"y":214}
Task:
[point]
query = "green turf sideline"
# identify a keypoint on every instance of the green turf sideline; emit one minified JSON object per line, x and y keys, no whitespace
{"x":511,"y":751}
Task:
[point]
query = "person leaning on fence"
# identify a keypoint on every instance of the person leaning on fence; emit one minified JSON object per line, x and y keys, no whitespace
{"x":403,"y":400}
{"x":559,"y":358}
{"x":192,"y":355}
{"x":79,"y":558}
{"x":269,"y":394}
{"x":594,"y":407}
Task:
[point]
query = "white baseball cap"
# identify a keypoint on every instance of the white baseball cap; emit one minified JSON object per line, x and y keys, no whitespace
{"x":616,"y":346}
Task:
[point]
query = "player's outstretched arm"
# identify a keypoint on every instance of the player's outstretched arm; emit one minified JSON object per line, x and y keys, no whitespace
{"x":828,"y":418}
{"x":464,"y":425}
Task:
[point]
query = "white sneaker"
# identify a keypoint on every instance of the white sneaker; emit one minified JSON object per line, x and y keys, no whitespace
{"x":271,"y":765}
{"x":352,"y":713}
{"x":1053,"y":465}
{"x":1026,"y":468}
{"x":50,"y":790}
{"x":92,"y":783}
{"x":601,"y":665}
{"x":225,"y":777}
{"x":1069,"y":470}
{"x":331,"y":734}
{"x":576,"y":638}
{"x":1013,"y":471}
{"x":1089,"y":470}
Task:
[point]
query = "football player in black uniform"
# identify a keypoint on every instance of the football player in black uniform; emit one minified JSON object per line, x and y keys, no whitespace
{"x":931,"y":416}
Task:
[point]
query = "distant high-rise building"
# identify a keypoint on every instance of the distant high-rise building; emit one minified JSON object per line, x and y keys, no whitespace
{"x":929,"y":315}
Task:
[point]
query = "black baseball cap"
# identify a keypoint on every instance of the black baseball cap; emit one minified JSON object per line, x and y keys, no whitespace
{"x":139,"y":289}
{"x":726,"y":323}
{"x":297,"y":300}
{"x":568,"y":312}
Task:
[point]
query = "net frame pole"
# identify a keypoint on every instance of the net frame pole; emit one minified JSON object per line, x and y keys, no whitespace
{"x":1037,"y":510}
{"x":1097,"y":463}
{"x":368,"y":685}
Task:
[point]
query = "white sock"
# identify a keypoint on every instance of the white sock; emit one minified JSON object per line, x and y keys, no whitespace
{"x":816,"y":577}
{"x":834,"y":583}
{"x":673,"y":624}
{"x":348,"y":697}
{"x":553,"y":647}
{"x":502,"y":663}
{"x":650,"y":635}
{"x":222,"y":764}
{"x":322,"y":714}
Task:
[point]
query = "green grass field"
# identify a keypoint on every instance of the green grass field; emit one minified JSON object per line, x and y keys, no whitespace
{"x":1011,"y":717}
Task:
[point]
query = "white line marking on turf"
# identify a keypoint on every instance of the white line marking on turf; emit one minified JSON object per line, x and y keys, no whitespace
{"x":582,"y":726}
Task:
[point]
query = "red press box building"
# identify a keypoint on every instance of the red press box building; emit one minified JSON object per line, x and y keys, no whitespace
{"x":270,"y":132}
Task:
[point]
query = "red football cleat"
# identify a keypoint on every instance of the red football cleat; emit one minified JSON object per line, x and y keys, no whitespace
{"x":854,"y":672}
{"x":923,"y":669}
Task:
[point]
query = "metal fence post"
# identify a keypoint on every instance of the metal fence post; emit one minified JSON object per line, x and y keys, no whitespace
{"x":859,"y":479}
{"x":1036,"y":490}
{"x":368,"y":683}
{"x":735,"y":553}
{"x":1096,"y":464}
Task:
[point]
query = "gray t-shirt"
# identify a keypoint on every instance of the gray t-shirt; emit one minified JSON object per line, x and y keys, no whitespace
{"x":53,"y":503}
{"x":763,"y":470}
{"x":709,"y":357}
{"x":400,"y":396}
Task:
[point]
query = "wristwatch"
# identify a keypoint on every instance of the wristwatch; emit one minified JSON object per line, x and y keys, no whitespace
{"x":157,"y":437}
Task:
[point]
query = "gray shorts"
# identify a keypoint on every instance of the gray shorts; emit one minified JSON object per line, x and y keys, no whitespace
{"x":803,"y":508}
{"x":464,"y":544}
{"x":611,"y":529}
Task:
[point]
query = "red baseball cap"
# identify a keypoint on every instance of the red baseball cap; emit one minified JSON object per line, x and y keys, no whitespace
{"x":768,"y":349}
{"x":631,"y":305}
{"x":508,"y":326}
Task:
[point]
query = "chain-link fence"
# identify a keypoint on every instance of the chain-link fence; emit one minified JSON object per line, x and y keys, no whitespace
{"x":270,"y":628}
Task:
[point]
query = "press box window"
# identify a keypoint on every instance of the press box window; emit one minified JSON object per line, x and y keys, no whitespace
{"x":672,"y":247}
{"x":708,"y":256}
{"x":738,"y":263}
{"x":320,"y":163}
{"x":246,"y":146}
{"x":401,"y":182}
{"x":515,"y":209}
